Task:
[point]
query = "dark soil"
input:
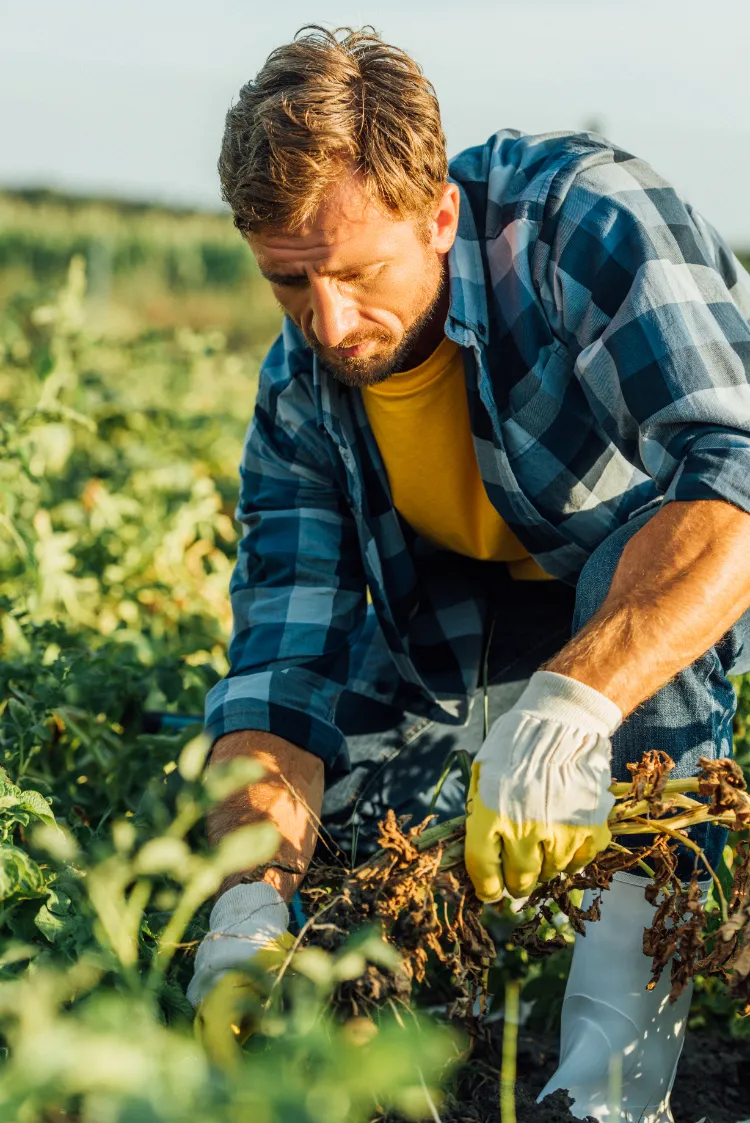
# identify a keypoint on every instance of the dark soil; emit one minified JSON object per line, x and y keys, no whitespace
{"x":712,"y":1082}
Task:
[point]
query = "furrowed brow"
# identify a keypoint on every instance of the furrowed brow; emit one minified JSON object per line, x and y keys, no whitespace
{"x":294,"y":278}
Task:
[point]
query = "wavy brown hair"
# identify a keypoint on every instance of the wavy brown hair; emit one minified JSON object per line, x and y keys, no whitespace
{"x":328,"y":104}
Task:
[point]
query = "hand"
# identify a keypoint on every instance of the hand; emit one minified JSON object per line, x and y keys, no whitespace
{"x":248,"y":925}
{"x":539,"y":796}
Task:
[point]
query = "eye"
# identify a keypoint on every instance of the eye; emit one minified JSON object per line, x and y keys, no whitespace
{"x":362,"y":278}
{"x":290,"y":282}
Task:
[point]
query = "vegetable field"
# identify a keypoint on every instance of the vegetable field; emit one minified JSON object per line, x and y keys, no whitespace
{"x":130,"y":340}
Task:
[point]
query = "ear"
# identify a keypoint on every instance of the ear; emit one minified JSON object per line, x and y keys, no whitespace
{"x":443,"y":226}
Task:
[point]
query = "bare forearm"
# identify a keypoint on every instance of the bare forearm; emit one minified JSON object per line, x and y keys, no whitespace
{"x":682,"y":582}
{"x":289,"y":796}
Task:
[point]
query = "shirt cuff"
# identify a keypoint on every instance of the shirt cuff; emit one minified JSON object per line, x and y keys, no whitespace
{"x":252,"y":702}
{"x":716,"y":467}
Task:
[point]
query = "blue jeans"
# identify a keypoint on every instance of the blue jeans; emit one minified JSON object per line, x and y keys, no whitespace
{"x":397,"y":759}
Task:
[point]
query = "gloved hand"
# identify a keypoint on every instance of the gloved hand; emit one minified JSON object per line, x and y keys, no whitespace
{"x":539,"y":796}
{"x":248,"y":924}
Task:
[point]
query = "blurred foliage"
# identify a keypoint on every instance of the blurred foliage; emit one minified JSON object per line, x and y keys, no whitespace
{"x":742,"y":722}
{"x":118,"y":477}
{"x":147,"y":267}
{"x":115,"y":506}
{"x":97,"y":929}
{"x":40,"y":231}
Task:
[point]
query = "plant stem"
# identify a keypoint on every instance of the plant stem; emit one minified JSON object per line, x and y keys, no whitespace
{"x":439,"y":833}
{"x":453,"y":854}
{"x":510,"y":1050}
{"x":637,"y":825}
{"x":619,"y":788}
{"x":296,"y":946}
{"x":624,"y":850}
{"x":194,"y":894}
{"x":428,"y":1097}
{"x":680,"y":837}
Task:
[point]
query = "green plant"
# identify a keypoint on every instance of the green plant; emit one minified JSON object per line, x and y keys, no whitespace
{"x":94,"y":963}
{"x":115,"y":544}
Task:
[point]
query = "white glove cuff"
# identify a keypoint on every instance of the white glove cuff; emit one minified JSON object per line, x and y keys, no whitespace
{"x":258,"y":903}
{"x":244,"y":919}
{"x":566,"y":700}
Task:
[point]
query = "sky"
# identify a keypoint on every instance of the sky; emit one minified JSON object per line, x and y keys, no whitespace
{"x":128,"y":98}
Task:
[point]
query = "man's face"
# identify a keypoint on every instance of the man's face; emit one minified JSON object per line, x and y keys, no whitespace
{"x":363,"y":287}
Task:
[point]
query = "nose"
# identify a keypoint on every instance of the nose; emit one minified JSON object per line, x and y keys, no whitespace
{"x":333,"y":315}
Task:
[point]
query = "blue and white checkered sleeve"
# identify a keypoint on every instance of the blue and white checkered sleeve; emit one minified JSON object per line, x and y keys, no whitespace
{"x":655,"y":308}
{"x":298,"y":589}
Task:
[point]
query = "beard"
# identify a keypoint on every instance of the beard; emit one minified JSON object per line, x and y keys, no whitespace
{"x":372,"y":370}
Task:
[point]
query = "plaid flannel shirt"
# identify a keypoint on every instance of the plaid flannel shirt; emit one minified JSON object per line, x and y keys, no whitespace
{"x":605,"y":336}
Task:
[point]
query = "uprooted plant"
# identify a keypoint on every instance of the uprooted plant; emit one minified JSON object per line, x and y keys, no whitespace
{"x":416,"y":887}
{"x":682,"y":934}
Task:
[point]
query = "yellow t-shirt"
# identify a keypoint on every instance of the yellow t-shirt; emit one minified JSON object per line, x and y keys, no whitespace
{"x":420,"y":419}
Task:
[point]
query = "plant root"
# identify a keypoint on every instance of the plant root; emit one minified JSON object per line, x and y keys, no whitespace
{"x":423,"y":908}
{"x":416,"y":889}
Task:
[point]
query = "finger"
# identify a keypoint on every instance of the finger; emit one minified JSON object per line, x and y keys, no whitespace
{"x":522,"y":866}
{"x":597,"y":841}
{"x":582,"y":857}
{"x":561,"y":849}
{"x":482,"y":855}
{"x":482,"y":850}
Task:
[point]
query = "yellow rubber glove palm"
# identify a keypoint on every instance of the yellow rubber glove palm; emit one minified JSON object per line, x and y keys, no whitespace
{"x":539,"y":796}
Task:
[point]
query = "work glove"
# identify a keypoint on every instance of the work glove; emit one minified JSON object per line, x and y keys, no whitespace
{"x":539,"y":795}
{"x":248,"y":926}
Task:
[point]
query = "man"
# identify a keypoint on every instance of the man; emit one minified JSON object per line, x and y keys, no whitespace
{"x":511,"y":404}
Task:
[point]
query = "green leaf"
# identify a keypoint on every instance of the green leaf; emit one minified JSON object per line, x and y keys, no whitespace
{"x":193,"y":757}
{"x":6,"y":787}
{"x":56,"y":840}
{"x":316,"y":965}
{"x":51,"y":926}
{"x":16,"y":951}
{"x":58,"y":902}
{"x":245,"y":848}
{"x":349,"y":965}
{"x":164,"y":855}
{"x":20,"y":876}
{"x":223,"y":779}
{"x":36,"y":803}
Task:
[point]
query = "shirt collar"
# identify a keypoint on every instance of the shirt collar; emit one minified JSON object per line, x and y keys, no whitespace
{"x":468,"y":291}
